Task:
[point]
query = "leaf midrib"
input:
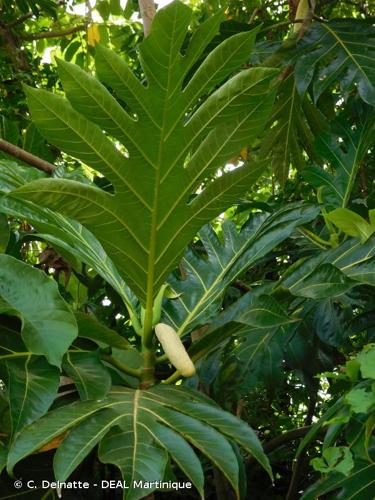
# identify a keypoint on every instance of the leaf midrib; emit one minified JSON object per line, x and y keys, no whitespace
{"x":217,"y":280}
{"x":346,"y":49}
{"x":27,"y":386}
{"x":125,"y":118}
{"x":155,"y":206}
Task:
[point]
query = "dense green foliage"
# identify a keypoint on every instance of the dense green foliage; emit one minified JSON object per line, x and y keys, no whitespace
{"x":216,"y":176}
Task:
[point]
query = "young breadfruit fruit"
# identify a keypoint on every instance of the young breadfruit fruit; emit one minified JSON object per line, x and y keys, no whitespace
{"x":174,"y":349}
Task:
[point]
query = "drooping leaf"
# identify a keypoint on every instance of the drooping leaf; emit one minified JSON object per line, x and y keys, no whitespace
{"x":48,"y":325}
{"x":32,"y":386}
{"x":205,"y":438}
{"x":200,"y":292}
{"x":91,"y":377}
{"x":338,"y":50}
{"x":292,"y":128}
{"x":145,"y":226}
{"x":181,"y":453}
{"x":351,"y":223}
{"x":225,"y":423}
{"x":145,"y":465}
{"x":63,"y":233}
{"x":90,"y":328}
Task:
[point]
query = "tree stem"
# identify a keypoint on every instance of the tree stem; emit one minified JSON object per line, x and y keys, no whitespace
{"x":27,"y":157}
{"x":147,"y":9}
{"x":148,"y":368}
{"x":54,"y":34}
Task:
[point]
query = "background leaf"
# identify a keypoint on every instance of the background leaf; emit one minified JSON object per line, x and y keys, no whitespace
{"x":40,"y":308}
{"x":344,"y":149}
{"x":292,"y":127}
{"x":92,"y":379}
{"x":325,"y":281}
{"x":337,"y":49}
{"x":358,"y":485}
{"x":200,"y":291}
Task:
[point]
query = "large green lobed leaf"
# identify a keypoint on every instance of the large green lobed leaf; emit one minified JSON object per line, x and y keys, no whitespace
{"x":136,"y":430}
{"x":200,"y":292}
{"x":171,"y":144}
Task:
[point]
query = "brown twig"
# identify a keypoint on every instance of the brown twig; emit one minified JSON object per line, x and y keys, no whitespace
{"x":20,"y":20}
{"x":9,"y":42}
{"x":53,"y":34}
{"x":285,"y":438}
{"x":240,"y":285}
{"x":363,"y":180}
{"x":280,"y":440}
{"x":27,"y":157}
{"x":301,"y":462}
{"x":253,"y":15}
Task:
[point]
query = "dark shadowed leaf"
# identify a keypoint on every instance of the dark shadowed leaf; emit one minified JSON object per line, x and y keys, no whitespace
{"x":48,"y":325}
{"x":339,"y":49}
{"x":90,"y":328}
{"x":358,"y":485}
{"x":3,"y":456}
{"x":292,"y":128}
{"x":344,"y":149}
{"x":91,"y":377}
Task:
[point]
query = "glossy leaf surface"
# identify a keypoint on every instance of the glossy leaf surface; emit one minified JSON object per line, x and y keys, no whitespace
{"x":48,"y":325}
